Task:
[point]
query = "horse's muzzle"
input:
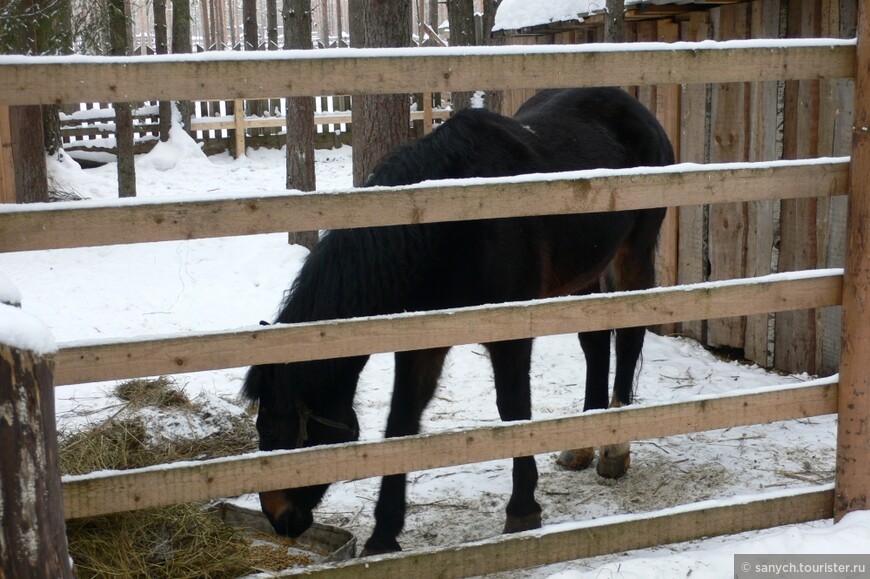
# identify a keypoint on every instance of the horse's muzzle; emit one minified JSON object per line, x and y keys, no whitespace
{"x":287,"y":519}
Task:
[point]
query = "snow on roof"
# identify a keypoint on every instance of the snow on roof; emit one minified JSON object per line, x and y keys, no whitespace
{"x":516,"y":14}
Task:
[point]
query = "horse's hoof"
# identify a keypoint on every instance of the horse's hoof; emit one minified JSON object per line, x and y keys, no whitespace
{"x":577,"y":459}
{"x":614,"y":460}
{"x":371,"y":550}
{"x":514,"y":524}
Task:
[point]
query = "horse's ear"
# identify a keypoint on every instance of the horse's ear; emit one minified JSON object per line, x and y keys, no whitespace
{"x":264,"y":323}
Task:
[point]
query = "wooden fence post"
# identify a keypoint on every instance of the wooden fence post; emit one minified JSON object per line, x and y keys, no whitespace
{"x":7,"y":167}
{"x":853,"y":433}
{"x":239,"y":120}
{"x":33,"y":540}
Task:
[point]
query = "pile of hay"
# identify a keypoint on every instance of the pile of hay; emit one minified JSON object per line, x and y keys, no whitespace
{"x":177,"y":541}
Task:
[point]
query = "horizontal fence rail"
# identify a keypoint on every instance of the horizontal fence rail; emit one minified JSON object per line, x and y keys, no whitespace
{"x":107,"y":360}
{"x":212,"y":76}
{"x":101,"y":493}
{"x":568,"y":542}
{"x":80,"y":224}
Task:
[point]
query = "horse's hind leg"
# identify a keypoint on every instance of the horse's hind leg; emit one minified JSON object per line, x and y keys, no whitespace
{"x":596,"y":350}
{"x":511,"y":362}
{"x":633,"y":268}
{"x":614,"y":459}
{"x":416,"y":378}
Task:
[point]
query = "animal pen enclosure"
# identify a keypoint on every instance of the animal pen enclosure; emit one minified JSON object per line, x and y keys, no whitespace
{"x":69,"y":225}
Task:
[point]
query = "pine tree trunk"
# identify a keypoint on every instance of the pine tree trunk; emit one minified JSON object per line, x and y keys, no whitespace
{"x":28,"y":154}
{"x":161,"y":46}
{"x":460,"y":13}
{"x":249,"y":13}
{"x":123,"y":111}
{"x":380,"y":122}
{"x":272,"y":24}
{"x":300,"y":115}
{"x":323,"y":33}
{"x":207,"y":36}
{"x":25,"y":122}
{"x":338,"y":28}
{"x":433,"y":14}
{"x":614,"y":21}
{"x":181,"y":45}
{"x":494,"y":98}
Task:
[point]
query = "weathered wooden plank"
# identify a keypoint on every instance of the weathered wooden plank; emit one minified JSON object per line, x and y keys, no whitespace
{"x":79,"y":224}
{"x":760,"y":226}
{"x":107,"y":360}
{"x":729,"y":137}
{"x":795,"y":337}
{"x":853,"y":434}
{"x":693,"y":149}
{"x":838,"y":104}
{"x":7,"y":167}
{"x":108,"y":492}
{"x":667,"y":110}
{"x":210,"y":76}
{"x":604,"y":536}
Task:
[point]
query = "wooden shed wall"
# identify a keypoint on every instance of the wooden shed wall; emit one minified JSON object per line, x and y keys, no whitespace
{"x":760,"y":121}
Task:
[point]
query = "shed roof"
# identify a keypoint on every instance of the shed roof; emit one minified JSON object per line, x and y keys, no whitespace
{"x":517,"y":15}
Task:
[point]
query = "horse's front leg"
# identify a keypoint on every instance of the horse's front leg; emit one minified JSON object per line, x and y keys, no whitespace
{"x":416,"y":378}
{"x":511,"y":362}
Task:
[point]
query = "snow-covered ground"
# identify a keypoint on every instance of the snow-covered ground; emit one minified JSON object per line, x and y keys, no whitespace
{"x":219,"y":284}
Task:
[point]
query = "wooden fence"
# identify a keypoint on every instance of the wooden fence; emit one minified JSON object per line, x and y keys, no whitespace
{"x":217,"y":125}
{"x":745,"y":121}
{"x":397,"y":70}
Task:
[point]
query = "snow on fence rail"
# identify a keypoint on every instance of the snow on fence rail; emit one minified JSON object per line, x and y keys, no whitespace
{"x":215,"y":76}
{"x":113,"y":359}
{"x":28,"y":227}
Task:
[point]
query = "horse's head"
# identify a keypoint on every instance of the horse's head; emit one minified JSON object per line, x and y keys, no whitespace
{"x":289,"y":417}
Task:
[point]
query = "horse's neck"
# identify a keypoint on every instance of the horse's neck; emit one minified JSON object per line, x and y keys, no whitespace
{"x":330,"y":383}
{"x":354,"y":273}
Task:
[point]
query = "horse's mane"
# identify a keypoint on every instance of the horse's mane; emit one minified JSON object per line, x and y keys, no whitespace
{"x":473,"y":143}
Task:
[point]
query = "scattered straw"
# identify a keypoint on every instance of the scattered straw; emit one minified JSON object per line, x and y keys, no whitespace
{"x":182,"y":541}
{"x":174,"y":542}
{"x":162,"y":393}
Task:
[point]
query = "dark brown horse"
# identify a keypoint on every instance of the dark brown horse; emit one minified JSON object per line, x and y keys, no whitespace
{"x":382,"y":270}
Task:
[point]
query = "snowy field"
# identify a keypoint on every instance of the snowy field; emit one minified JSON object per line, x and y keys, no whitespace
{"x":220,"y":284}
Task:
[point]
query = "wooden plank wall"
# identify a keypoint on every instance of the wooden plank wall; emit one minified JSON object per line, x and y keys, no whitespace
{"x":759,"y":121}
{"x":7,"y":168}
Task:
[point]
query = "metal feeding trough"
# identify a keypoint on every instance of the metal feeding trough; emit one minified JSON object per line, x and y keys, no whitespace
{"x":319,"y":544}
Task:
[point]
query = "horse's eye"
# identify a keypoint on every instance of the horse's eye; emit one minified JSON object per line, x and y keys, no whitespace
{"x":267,"y":432}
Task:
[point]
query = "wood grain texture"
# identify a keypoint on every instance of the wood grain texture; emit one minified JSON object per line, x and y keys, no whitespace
{"x":81,"y":225}
{"x":295,"y":73}
{"x":567,"y":543}
{"x":853,"y":434}
{"x":150,"y":487}
{"x":107,"y":360}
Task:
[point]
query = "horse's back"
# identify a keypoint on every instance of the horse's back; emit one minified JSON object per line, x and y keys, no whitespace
{"x":601,"y":127}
